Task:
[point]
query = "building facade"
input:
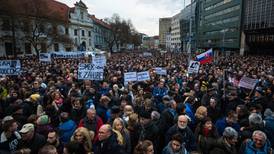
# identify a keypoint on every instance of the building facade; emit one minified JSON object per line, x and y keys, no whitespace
{"x":28,"y":28}
{"x":186,"y":38}
{"x":168,"y":41}
{"x":175,"y":32}
{"x":164,"y":28}
{"x":102,"y":33}
{"x":80,"y":29}
{"x":258,"y":27}
{"x":219,"y":23}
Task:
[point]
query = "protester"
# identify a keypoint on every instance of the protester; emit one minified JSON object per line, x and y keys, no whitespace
{"x":144,"y":147}
{"x":51,"y":96}
{"x":30,"y":139}
{"x":108,"y":142}
{"x":175,"y":146}
{"x":258,"y":144}
{"x":9,"y":137}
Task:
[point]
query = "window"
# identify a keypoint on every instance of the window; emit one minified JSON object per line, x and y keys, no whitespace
{"x":67,"y":31}
{"x":41,"y":28}
{"x":6,"y":24}
{"x":43,"y":47}
{"x":26,"y":26}
{"x":89,"y":33}
{"x":89,"y":42}
{"x":8,"y":47}
{"x":83,"y":32}
{"x":75,"y":32}
{"x":56,"y":47}
{"x":82,"y":15}
{"x":27,"y":48}
{"x":75,"y":40}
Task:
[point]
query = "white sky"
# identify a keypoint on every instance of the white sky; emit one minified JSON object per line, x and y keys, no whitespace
{"x":144,"y":14}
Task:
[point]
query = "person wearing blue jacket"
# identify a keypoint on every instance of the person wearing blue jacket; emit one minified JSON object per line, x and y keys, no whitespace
{"x":66,"y":127}
{"x":259,"y":144}
{"x":229,"y":121}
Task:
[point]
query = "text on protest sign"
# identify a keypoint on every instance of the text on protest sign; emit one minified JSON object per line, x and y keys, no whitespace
{"x":247,"y":82}
{"x":147,"y":54}
{"x":88,"y":71}
{"x":130,"y":76}
{"x":69,"y":55}
{"x":10,"y":67}
{"x":160,"y":71}
{"x":143,"y":76}
{"x":99,"y":60}
{"x":193,"y":67}
{"x":45,"y":57}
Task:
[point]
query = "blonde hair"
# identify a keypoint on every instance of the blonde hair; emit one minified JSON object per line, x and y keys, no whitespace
{"x":87,"y":137}
{"x":120,"y":137}
{"x":200,"y":112}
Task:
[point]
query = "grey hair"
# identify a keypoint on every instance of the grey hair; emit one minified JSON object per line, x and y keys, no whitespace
{"x":255,"y":119}
{"x":261,"y":133}
{"x":230,"y":132}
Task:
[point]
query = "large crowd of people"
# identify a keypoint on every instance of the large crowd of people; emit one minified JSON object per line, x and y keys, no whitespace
{"x":47,"y":110}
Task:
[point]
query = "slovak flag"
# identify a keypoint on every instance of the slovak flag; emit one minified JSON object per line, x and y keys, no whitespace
{"x":206,"y":57}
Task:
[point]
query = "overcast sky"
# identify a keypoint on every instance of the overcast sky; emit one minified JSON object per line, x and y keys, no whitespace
{"x":144,"y":14}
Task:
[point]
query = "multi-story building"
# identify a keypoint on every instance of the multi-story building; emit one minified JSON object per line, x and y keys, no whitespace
{"x":164,"y":28}
{"x":175,"y":32}
{"x":186,"y":38}
{"x":168,"y":41}
{"x":102,"y":33}
{"x":219,"y":24}
{"x":151,"y":42}
{"x":81,"y":26}
{"x":28,"y":27}
{"x":258,"y":27}
{"x":33,"y":26}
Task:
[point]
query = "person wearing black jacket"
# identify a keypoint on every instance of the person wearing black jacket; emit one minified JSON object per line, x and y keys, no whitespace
{"x":186,"y":133}
{"x":30,"y":139}
{"x":107,"y":142}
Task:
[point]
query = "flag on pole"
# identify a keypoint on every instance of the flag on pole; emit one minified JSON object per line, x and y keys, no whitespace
{"x":206,"y":57}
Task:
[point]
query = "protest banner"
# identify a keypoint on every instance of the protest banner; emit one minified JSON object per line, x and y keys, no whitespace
{"x":147,"y":54}
{"x":130,"y":77}
{"x":143,"y":76}
{"x":247,"y":82}
{"x":10,"y":67}
{"x":87,"y":71}
{"x":99,"y":60}
{"x":45,"y":57}
{"x":68,"y":55}
{"x":193,"y":67}
{"x":160,"y":71}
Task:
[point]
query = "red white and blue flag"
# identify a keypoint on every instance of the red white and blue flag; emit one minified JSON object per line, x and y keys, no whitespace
{"x":206,"y":57}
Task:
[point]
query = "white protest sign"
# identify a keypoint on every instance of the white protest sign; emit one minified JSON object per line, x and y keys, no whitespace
{"x":147,"y":54}
{"x":193,"y":67}
{"x":130,"y":76}
{"x":247,"y":82}
{"x":99,"y":60}
{"x":10,"y":67}
{"x":143,"y":76}
{"x":72,"y":55}
{"x":160,"y":71}
{"x":87,"y":71}
{"x":45,"y":57}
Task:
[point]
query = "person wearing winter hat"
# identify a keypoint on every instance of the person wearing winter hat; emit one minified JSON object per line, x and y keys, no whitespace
{"x":9,"y":137}
{"x":30,"y":139}
{"x":43,"y":126}
{"x":149,"y":130}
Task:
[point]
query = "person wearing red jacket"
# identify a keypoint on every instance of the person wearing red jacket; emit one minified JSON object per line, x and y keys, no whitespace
{"x":92,"y":122}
